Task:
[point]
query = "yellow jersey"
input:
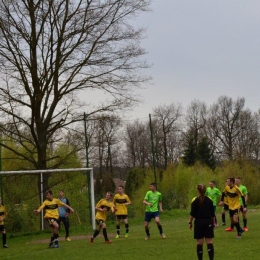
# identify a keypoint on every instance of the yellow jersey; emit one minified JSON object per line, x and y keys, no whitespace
{"x":103,"y":203}
{"x":233,"y":194}
{"x":119,"y":201}
{"x":51,"y":208}
{"x":3,"y":213}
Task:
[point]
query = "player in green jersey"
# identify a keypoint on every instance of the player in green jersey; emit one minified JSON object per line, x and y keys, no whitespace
{"x":213,"y":193}
{"x":153,"y":202}
{"x":244,"y":191}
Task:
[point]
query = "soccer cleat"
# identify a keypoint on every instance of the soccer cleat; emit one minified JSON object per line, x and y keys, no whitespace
{"x":245,"y":229}
{"x":215,"y":224}
{"x":5,"y":246}
{"x":163,"y":236}
{"x":117,"y":236}
{"x":238,"y":236}
{"x":229,"y":229}
{"x":108,"y":242}
{"x":91,"y":240}
{"x":147,"y":238}
{"x":223,"y":224}
{"x":126,"y":235}
{"x":241,"y":231}
{"x":56,"y":246}
{"x":68,"y":239}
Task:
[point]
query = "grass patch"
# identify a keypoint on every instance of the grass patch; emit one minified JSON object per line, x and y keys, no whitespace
{"x":179,"y":244}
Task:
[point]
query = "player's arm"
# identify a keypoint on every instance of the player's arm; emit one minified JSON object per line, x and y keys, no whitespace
{"x":221,"y":203}
{"x":36,"y":211}
{"x":147,"y":203}
{"x":128,"y":201}
{"x":69,"y":208}
{"x":160,"y":206}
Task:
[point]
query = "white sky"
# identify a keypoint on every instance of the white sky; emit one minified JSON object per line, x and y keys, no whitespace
{"x":201,"y":49}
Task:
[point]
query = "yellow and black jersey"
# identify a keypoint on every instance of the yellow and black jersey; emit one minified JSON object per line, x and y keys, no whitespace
{"x":232,"y":194}
{"x":103,"y":203}
{"x":119,"y":201}
{"x":3,"y":213}
{"x":51,"y":208}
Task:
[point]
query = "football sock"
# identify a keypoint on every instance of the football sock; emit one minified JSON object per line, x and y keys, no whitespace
{"x":105,"y":234}
{"x":199,"y":252}
{"x":238,"y":228}
{"x":160,"y":229}
{"x":118,"y":229}
{"x":4,"y":238}
{"x":210,"y":251}
{"x":126,"y":228}
{"x":223,"y":218}
{"x":245,"y":222}
{"x":147,"y":231}
{"x":95,"y":233}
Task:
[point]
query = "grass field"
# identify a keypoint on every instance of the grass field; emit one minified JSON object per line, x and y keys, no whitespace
{"x":179,"y":244}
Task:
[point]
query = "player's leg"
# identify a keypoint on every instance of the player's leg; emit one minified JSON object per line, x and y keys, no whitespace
{"x":210,"y":248}
{"x":67,"y":226}
{"x":55,"y":230}
{"x":199,"y":248}
{"x":244,"y":220}
{"x":126,"y":226}
{"x":96,"y":232}
{"x":236,"y":222}
{"x":157,"y":220}
{"x":104,"y":227}
{"x":147,"y":219}
{"x":118,"y":219}
{"x":2,"y":229}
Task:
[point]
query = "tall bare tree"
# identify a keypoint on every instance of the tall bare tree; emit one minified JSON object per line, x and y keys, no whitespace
{"x":52,"y":52}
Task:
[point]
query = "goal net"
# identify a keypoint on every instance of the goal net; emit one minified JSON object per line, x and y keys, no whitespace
{"x":23,"y":191}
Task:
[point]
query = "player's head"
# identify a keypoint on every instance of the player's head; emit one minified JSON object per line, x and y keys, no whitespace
{"x":201,"y":188}
{"x":120,"y":189}
{"x":61,"y":193}
{"x":153,"y":186}
{"x":48,"y":194}
{"x":108,"y":195}
{"x":231,"y":181}
{"x":238,"y":181}
{"x":211,"y":184}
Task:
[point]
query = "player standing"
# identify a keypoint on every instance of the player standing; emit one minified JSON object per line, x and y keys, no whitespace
{"x":121,"y":201}
{"x":52,"y":215}
{"x":153,"y":202}
{"x":3,"y":214}
{"x":102,"y":208}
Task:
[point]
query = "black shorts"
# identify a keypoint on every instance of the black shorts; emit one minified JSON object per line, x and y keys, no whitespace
{"x":225,"y":207}
{"x":2,"y":228}
{"x":51,"y":221}
{"x":121,"y":217}
{"x":203,"y":228}
{"x":234,"y":212}
{"x":99,"y":221}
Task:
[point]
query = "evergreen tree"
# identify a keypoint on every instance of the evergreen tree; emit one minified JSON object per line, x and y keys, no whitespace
{"x":189,"y":154}
{"x":135,"y":179}
{"x":205,"y":154}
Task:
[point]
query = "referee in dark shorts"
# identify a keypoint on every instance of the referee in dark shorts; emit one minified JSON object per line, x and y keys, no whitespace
{"x":202,"y":210}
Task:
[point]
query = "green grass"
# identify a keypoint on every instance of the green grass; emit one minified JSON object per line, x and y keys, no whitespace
{"x":179,"y":244}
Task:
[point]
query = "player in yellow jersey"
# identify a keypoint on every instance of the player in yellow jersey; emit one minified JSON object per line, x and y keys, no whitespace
{"x":102,"y":208}
{"x":121,"y":200}
{"x":3,"y":214}
{"x":52,"y":215}
{"x":233,"y":193}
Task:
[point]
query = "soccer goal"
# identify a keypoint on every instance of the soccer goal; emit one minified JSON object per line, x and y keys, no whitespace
{"x":75,"y":184}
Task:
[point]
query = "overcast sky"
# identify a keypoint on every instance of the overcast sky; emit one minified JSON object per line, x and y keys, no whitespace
{"x":201,"y":49}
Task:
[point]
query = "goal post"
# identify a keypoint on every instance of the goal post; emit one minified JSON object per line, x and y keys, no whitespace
{"x":42,"y":197}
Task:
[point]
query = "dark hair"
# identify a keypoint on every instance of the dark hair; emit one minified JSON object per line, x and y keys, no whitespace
{"x":48,"y":191}
{"x":121,"y":186}
{"x":238,"y":178}
{"x":153,"y":184}
{"x":202,"y":190}
{"x":212,"y":182}
{"x":111,"y":194}
{"x":232,"y":180}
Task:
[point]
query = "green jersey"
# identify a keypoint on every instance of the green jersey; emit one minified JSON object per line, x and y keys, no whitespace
{"x":243,"y":189}
{"x":213,"y":193}
{"x":154,"y":198}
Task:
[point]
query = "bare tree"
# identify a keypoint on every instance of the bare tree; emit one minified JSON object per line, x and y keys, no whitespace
{"x":53,"y":51}
{"x":167,"y":117}
{"x":224,"y":122}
